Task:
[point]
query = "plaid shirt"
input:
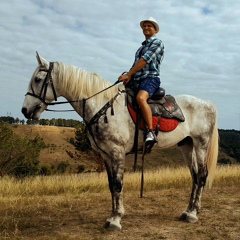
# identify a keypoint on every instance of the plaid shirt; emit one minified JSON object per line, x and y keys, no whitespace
{"x":152,"y":52}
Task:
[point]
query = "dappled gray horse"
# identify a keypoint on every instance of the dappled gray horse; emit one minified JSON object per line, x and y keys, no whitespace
{"x":111,"y":128}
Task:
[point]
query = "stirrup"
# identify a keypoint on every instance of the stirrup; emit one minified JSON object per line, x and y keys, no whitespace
{"x":150,"y":137}
{"x":148,"y":147}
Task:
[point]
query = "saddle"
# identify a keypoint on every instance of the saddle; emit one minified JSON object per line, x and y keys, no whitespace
{"x":166,"y":112}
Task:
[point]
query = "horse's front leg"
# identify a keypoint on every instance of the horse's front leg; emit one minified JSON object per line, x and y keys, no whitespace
{"x":115,"y":171}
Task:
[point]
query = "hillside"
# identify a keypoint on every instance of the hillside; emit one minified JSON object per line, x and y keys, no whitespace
{"x":57,"y":139}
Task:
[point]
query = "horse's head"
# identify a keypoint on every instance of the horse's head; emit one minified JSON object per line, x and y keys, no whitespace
{"x":41,"y":90}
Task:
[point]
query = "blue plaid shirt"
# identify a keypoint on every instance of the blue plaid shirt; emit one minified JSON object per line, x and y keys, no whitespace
{"x":152,"y":52}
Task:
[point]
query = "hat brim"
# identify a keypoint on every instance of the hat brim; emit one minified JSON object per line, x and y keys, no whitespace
{"x":154,"y":23}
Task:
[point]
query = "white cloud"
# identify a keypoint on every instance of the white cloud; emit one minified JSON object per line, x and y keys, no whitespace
{"x":201,"y":41}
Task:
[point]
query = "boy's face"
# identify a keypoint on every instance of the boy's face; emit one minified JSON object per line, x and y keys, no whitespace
{"x":149,"y":29}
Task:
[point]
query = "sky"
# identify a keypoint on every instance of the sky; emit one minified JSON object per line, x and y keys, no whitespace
{"x":201,"y":40}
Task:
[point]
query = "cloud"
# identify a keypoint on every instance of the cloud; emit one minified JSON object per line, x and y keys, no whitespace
{"x":201,"y":46}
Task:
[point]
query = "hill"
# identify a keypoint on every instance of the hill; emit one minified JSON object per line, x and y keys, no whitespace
{"x":57,"y":139}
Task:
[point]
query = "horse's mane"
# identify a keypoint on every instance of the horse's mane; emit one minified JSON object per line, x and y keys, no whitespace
{"x":82,"y":84}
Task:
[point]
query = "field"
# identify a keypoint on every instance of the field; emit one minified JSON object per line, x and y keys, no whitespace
{"x":76,"y":207}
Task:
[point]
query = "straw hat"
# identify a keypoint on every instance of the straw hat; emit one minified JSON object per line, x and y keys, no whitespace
{"x":152,"y":20}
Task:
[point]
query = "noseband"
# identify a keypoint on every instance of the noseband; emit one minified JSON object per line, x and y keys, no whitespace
{"x":43,"y":92}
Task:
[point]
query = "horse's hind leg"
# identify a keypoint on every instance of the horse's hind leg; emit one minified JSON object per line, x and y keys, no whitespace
{"x":188,"y":152}
{"x":196,"y":161}
{"x":202,"y":173}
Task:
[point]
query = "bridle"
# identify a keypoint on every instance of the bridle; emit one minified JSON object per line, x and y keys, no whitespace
{"x":43,"y":92}
{"x":42,"y":96}
{"x":48,"y":80}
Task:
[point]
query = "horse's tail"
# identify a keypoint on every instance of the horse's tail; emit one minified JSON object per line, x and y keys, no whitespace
{"x":212,"y":155}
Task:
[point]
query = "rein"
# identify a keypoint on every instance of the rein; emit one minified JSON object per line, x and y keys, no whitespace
{"x":85,"y":100}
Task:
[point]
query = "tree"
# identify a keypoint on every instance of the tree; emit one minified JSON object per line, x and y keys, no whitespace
{"x":62,"y":166}
{"x":82,"y":142}
{"x":17,"y":120}
{"x":230,"y":143}
{"x":7,"y":119}
{"x":84,"y":151}
{"x":18,"y":155}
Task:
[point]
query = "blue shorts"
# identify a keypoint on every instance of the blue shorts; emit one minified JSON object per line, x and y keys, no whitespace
{"x":150,"y":85}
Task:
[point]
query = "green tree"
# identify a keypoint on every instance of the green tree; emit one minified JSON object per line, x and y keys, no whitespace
{"x":45,"y":170}
{"x":84,"y":152}
{"x":18,"y":155}
{"x":62,"y":166}
{"x":82,"y":142}
{"x":17,"y":120}
{"x":7,"y":119}
{"x":230,"y":143}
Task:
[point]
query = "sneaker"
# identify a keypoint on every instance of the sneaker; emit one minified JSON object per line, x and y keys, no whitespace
{"x":150,"y":137}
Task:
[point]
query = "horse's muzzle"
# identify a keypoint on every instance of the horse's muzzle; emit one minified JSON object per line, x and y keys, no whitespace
{"x":30,"y":114}
{"x":24,"y":112}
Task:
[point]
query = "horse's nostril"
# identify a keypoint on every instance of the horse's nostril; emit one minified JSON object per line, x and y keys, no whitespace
{"x":24,"y":111}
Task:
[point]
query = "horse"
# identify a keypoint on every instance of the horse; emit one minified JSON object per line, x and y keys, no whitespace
{"x":111,"y":130}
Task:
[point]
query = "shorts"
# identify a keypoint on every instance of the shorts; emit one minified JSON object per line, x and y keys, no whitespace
{"x":150,"y":85}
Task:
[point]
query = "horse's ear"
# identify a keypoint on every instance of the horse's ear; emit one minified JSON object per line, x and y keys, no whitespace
{"x":38,"y":58}
{"x":41,"y":60}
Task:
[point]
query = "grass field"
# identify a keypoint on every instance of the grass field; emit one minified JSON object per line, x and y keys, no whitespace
{"x":76,"y":207}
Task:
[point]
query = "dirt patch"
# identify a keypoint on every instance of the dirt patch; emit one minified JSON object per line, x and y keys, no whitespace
{"x":155,"y":216}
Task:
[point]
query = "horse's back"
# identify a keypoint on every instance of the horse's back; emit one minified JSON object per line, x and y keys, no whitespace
{"x":193,"y":103}
{"x":200,"y":114}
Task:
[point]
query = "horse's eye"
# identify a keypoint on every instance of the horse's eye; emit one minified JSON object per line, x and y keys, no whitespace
{"x":37,"y":80}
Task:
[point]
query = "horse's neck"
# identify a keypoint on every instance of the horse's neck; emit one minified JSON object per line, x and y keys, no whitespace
{"x":76,"y":84}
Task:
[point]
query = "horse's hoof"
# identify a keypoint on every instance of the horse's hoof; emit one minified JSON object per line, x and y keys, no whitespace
{"x":184,"y":216}
{"x":191,"y":218}
{"x":112,"y":225}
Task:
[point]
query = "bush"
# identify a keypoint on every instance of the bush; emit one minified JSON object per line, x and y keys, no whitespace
{"x":62,"y":167}
{"x":80,"y":169}
{"x":45,"y":170}
{"x":82,"y":142}
{"x":18,"y":155}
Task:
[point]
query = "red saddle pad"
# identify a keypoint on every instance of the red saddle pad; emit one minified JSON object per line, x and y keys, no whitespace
{"x":166,"y":124}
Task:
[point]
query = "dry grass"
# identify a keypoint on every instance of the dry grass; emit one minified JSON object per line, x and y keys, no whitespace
{"x":76,"y":206}
{"x":97,"y":182}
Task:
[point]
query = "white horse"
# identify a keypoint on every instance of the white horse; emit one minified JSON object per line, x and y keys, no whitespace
{"x":111,"y":131}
